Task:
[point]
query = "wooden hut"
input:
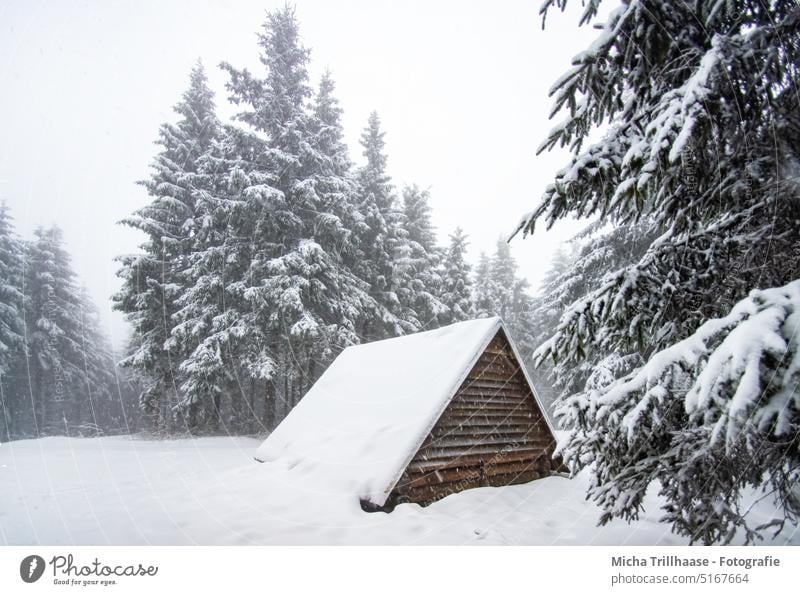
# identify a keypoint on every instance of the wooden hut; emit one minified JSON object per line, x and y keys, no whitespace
{"x":419,"y":417}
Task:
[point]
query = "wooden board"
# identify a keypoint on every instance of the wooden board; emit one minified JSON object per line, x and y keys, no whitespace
{"x":491,"y":434}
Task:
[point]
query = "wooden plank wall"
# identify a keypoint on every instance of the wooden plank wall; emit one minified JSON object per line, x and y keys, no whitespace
{"x":491,"y":434}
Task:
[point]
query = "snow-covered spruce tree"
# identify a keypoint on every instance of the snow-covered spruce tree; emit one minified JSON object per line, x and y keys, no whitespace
{"x":503,"y":276}
{"x":12,"y":325}
{"x":700,"y":108}
{"x":594,"y":252}
{"x":373,"y":191}
{"x":304,"y":301}
{"x":546,"y":311}
{"x":498,"y":290}
{"x":337,"y":227}
{"x":267,"y":219}
{"x":483,"y":293}
{"x":217,"y":347}
{"x":421,"y":284}
{"x":556,"y":289}
{"x":457,"y":280}
{"x":154,"y":279}
{"x":510,"y":298}
{"x":11,"y":321}
{"x":328,"y":134}
{"x":51,"y":304}
{"x":62,"y":364}
{"x":382,"y":237}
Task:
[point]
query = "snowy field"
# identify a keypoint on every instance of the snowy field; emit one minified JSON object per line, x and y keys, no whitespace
{"x":131,"y":491}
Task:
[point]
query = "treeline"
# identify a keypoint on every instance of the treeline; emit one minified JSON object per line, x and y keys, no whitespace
{"x":57,"y":369}
{"x":268,"y":250}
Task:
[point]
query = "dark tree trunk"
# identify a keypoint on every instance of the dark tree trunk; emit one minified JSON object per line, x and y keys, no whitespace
{"x":5,"y":413}
{"x":251,"y":410}
{"x":270,"y":403}
{"x":217,"y":413}
{"x":286,"y":395}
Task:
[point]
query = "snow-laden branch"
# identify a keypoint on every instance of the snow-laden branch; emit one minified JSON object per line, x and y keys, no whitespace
{"x":744,"y":370}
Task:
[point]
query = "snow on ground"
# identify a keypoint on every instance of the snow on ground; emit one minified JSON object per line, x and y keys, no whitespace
{"x":132,"y":491}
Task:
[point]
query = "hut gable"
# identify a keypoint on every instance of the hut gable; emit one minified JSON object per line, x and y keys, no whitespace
{"x":418,"y":417}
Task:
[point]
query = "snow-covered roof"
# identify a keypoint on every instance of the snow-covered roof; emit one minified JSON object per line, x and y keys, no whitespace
{"x":367,"y":415}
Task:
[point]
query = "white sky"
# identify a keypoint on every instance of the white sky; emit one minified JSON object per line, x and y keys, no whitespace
{"x":461,"y":88}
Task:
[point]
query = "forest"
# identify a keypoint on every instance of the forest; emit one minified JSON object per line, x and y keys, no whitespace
{"x":664,"y":335}
{"x":267,"y":251}
{"x":57,"y":369}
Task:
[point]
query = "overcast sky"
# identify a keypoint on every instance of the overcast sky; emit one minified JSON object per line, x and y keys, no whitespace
{"x":461,"y":88}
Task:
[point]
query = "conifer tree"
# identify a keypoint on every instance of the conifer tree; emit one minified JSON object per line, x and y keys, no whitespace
{"x":12,"y":323}
{"x":503,"y":277}
{"x":421,"y":282}
{"x":483,"y":297}
{"x":61,"y":362}
{"x":593,"y":253}
{"x":212,"y":338}
{"x":508,"y":297}
{"x":382,"y":237}
{"x":328,"y":135}
{"x":300,"y":291}
{"x":154,"y":278}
